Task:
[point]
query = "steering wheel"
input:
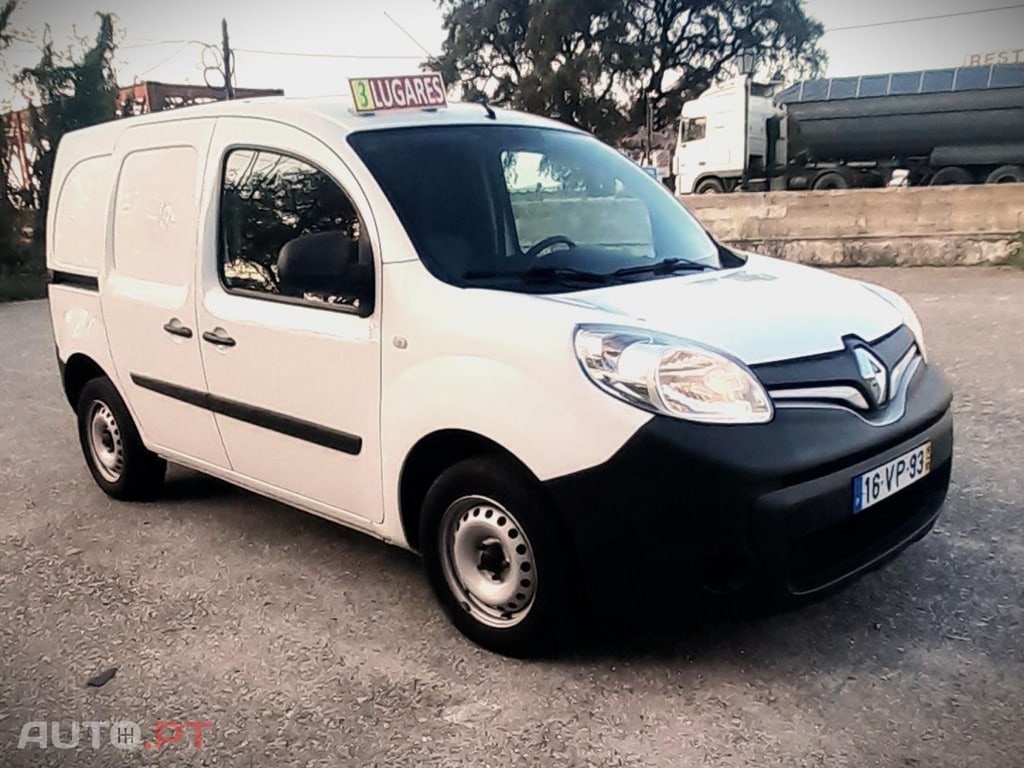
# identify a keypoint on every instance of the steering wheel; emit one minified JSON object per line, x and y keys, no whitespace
{"x":547,"y":242}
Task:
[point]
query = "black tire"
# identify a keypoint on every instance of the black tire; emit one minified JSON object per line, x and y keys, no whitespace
{"x":951,"y":175}
{"x":1007,"y":174}
{"x":710,"y":187}
{"x":832,"y":180}
{"x":468,"y":501}
{"x":127,"y":471}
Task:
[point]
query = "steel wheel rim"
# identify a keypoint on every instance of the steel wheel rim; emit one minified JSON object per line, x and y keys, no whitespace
{"x":488,"y":561}
{"x":105,"y":442}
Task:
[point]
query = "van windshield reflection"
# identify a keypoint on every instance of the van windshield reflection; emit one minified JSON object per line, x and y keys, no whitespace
{"x":531,"y":209}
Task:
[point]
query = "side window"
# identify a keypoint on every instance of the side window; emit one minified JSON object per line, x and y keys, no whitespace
{"x":696,"y":129}
{"x":288,"y":230}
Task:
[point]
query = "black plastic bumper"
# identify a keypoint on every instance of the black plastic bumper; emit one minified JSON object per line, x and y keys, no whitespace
{"x":766,"y":507}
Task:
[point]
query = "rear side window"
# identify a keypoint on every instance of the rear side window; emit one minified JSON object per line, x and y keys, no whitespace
{"x":269,"y":200}
{"x":80,"y":225}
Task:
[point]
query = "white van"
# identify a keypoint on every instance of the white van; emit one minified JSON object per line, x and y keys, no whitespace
{"x":491,"y":339}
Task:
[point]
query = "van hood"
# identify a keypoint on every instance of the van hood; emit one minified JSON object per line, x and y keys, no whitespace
{"x":764,"y":311}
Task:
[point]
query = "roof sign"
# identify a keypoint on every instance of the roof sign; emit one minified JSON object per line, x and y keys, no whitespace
{"x":381,"y":94}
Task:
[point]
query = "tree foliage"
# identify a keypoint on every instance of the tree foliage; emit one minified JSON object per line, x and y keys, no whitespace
{"x":6,"y":32}
{"x":594,"y":63}
{"x":66,"y":90}
{"x":67,"y":94}
{"x":8,"y":213}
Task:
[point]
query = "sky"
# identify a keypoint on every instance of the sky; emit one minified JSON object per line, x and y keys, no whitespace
{"x":374,"y":44}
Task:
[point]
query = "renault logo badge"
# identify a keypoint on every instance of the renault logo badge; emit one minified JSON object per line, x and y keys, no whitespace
{"x":874,"y":375}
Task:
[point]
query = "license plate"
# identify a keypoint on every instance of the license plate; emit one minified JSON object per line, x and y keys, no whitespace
{"x":882,"y":482}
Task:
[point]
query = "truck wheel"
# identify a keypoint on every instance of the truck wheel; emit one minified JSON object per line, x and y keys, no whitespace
{"x":831,"y":180}
{"x":950,"y":175}
{"x":493,"y":555}
{"x":1008,"y":174}
{"x":119,"y":462}
{"x":710,"y":187}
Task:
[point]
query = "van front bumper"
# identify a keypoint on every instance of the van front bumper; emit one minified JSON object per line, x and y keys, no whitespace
{"x":755,"y":508}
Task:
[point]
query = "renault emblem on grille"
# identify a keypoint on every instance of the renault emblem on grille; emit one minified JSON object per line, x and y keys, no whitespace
{"x":874,"y":375}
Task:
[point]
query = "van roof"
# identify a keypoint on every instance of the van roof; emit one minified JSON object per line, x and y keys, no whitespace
{"x":339,"y":111}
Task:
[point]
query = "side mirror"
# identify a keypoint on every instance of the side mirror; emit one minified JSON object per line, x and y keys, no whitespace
{"x":325,"y":263}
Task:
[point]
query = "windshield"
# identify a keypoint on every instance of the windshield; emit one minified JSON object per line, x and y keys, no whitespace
{"x":531,"y":209}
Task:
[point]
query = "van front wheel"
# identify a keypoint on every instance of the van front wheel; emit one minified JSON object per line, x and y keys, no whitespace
{"x":120,"y":464}
{"x":491,"y":548}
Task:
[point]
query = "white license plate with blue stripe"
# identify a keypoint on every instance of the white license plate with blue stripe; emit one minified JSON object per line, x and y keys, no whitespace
{"x":882,"y":482}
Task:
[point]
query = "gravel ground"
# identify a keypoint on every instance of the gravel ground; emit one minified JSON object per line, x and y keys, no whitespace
{"x":309,"y":645}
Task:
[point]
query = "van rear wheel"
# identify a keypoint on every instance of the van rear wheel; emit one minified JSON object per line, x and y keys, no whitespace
{"x":120,"y":464}
{"x":493,"y":555}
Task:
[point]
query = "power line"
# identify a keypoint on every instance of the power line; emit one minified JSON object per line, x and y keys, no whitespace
{"x":127,"y":46}
{"x":926,"y":18}
{"x":256,"y":51}
{"x":147,"y":43}
{"x":163,"y":41}
{"x":408,"y":34}
{"x":312,"y":55}
{"x":166,"y":60}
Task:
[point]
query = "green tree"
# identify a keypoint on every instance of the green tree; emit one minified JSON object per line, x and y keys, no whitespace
{"x":594,"y":63}
{"x":67,"y":93}
{"x":10,"y":256}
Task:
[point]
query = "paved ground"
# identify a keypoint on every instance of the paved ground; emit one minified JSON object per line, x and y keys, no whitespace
{"x":307,"y":644}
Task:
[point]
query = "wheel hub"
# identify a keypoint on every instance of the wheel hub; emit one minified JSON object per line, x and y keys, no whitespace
{"x":492,"y":561}
{"x":487,"y":561}
{"x":105,"y":442}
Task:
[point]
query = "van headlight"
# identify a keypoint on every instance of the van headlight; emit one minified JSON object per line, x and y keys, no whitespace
{"x":907,"y":313}
{"x":675,"y":377}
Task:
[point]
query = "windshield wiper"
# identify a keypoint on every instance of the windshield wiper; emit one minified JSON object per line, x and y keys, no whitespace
{"x":540,"y":274}
{"x":664,"y":267}
{"x":562,"y":274}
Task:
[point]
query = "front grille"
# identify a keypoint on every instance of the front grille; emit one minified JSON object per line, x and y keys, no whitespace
{"x":834,"y":377}
{"x":822,"y":557}
{"x":851,"y":397}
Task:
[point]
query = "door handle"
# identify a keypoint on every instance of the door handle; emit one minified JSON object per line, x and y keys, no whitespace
{"x":219,"y":337}
{"x":175,"y":328}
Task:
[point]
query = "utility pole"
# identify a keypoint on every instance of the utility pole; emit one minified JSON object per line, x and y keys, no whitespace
{"x":229,"y":89}
{"x":649,"y":127}
{"x":748,"y":64}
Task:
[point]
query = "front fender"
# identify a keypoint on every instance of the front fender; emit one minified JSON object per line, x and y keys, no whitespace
{"x":553,"y":427}
{"x":554,"y":422}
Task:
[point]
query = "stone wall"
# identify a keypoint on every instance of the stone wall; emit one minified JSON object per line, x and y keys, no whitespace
{"x":926,"y":226}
